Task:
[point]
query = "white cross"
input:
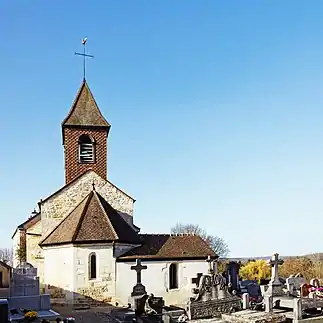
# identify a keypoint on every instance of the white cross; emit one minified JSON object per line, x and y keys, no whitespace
{"x":138,"y":268}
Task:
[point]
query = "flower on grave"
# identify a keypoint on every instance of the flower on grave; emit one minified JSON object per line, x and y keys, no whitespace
{"x":31,"y":316}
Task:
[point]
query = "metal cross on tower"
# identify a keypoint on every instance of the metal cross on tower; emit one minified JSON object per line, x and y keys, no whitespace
{"x":84,"y":40}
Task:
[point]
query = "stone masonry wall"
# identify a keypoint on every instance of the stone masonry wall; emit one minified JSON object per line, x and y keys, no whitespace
{"x":61,"y":204}
{"x":73,"y":168}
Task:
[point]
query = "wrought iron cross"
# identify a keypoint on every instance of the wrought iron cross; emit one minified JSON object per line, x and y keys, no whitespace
{"x":138,"y":268}
{"x":84,"y":40}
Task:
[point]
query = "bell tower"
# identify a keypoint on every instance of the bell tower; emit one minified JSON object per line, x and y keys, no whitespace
{"x":85,"y":133}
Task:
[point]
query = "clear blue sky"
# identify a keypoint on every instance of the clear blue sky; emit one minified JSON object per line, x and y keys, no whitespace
{"x":216,"y":110}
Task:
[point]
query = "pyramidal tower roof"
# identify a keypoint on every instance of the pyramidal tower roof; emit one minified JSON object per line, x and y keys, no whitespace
{"x":84,"y":111}
{"x":94,"y":220}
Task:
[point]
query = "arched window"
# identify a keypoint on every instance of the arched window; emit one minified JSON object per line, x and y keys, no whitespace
{"x":173,"y":276}
{"x":86,"y":149}
{"x":92,"y":266}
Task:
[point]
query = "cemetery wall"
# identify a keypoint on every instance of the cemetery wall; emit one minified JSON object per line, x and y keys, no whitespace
{"x":156,"y":280}
{"x":58,"y":206}
{"x":102,"y":288}
{"x":59,"y":271}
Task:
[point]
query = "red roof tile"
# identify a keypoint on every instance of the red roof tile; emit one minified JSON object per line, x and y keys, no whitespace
{"x":94,"y":220}
{"x":166,"y":246}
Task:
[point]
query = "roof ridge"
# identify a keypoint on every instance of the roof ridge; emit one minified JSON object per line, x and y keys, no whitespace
{"x":72,"y":108}
{"x":103,"y":209}
{"x":82,"y":216}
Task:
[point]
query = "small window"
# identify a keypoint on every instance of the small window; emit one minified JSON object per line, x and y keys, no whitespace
{"x":92,"y":266}
{"x":86,"y":149}
{"x":173,"y":276}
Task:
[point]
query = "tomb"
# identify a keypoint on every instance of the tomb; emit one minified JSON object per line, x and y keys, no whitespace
{"x":25,"y":295}
{"x":211,"y":296}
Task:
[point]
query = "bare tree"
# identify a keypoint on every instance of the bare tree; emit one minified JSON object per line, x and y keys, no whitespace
{"x":6,"y":255}
{"x":217,"y":244}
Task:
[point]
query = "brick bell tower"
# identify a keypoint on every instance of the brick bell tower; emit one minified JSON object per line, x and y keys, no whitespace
{"x":85,"y":133}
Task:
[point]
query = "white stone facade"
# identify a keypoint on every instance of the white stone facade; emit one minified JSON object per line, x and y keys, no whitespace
{"x":157,"y":281}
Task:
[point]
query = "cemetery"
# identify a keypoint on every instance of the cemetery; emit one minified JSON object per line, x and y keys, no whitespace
{"x":215,"y":297}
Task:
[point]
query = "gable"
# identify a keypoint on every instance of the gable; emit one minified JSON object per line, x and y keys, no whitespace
{"x":57,"y":206}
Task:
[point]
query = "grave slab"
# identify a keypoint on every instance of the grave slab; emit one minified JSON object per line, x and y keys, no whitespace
{"x":250,"y":316}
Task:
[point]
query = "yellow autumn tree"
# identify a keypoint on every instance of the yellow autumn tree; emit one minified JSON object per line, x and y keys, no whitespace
{"x":258,"y":269}
{"x":302,"y":265}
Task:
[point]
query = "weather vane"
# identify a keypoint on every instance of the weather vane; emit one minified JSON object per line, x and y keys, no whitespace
{"x":84,"y":40}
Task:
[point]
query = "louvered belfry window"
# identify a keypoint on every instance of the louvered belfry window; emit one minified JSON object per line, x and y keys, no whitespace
{"x":86,"y":149}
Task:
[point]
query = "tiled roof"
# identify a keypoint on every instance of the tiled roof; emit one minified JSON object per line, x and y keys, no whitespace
{"x":84,"y":111}
{"x":28,"y":223}
{"x":94,"y":220}
{"x":166,"y":246}
{"x":3,"y":264}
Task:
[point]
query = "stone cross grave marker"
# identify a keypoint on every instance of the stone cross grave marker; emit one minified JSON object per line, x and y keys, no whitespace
{"x":138,"y":268}
{"x":274,"y":262}
{"x":275,"y":287}
{"x":139,"y":288}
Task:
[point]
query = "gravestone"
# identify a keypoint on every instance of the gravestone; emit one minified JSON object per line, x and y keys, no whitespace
{"x":211,"y":296}
{"x":275,"y":286}
{"x":4,"y":311}
{"x":139,"y":295}
{"x":24,"y":281}
{"x":233,"y":268}
{"x":294,"y":284}
{"x":25,"y":294}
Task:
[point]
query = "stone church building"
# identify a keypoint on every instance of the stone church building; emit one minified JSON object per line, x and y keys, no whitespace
{"x":83,"y":239}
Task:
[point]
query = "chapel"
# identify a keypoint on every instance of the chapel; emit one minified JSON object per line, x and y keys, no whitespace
{"x":83,"y":239}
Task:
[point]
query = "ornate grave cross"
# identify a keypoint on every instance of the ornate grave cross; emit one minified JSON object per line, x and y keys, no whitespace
{"x":138,"y":268}
{"x":275,"y":262}
{"x":196,"y":280}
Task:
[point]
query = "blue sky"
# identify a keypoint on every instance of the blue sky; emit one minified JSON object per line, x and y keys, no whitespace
{"x":215,"y":106}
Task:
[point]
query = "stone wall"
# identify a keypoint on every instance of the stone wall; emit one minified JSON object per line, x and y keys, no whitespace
{"x":58,"y":206}
{"x":102,"y":288}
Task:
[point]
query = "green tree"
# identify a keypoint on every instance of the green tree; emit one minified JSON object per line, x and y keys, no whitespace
{"x":217,"y":244}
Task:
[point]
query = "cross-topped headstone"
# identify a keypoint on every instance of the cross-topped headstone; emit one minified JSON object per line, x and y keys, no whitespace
{"x":275,"y":262}
{"x":196,"y":279}
{"x":209,"y":261}
{"x":138,"y":268}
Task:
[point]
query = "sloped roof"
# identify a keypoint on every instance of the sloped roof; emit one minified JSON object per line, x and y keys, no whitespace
{"x":166,"y":246}
{"x":3,"y":264}
{"x":28,"y":223}
{"x":84,"y":110}
{"x":93,"y":220}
